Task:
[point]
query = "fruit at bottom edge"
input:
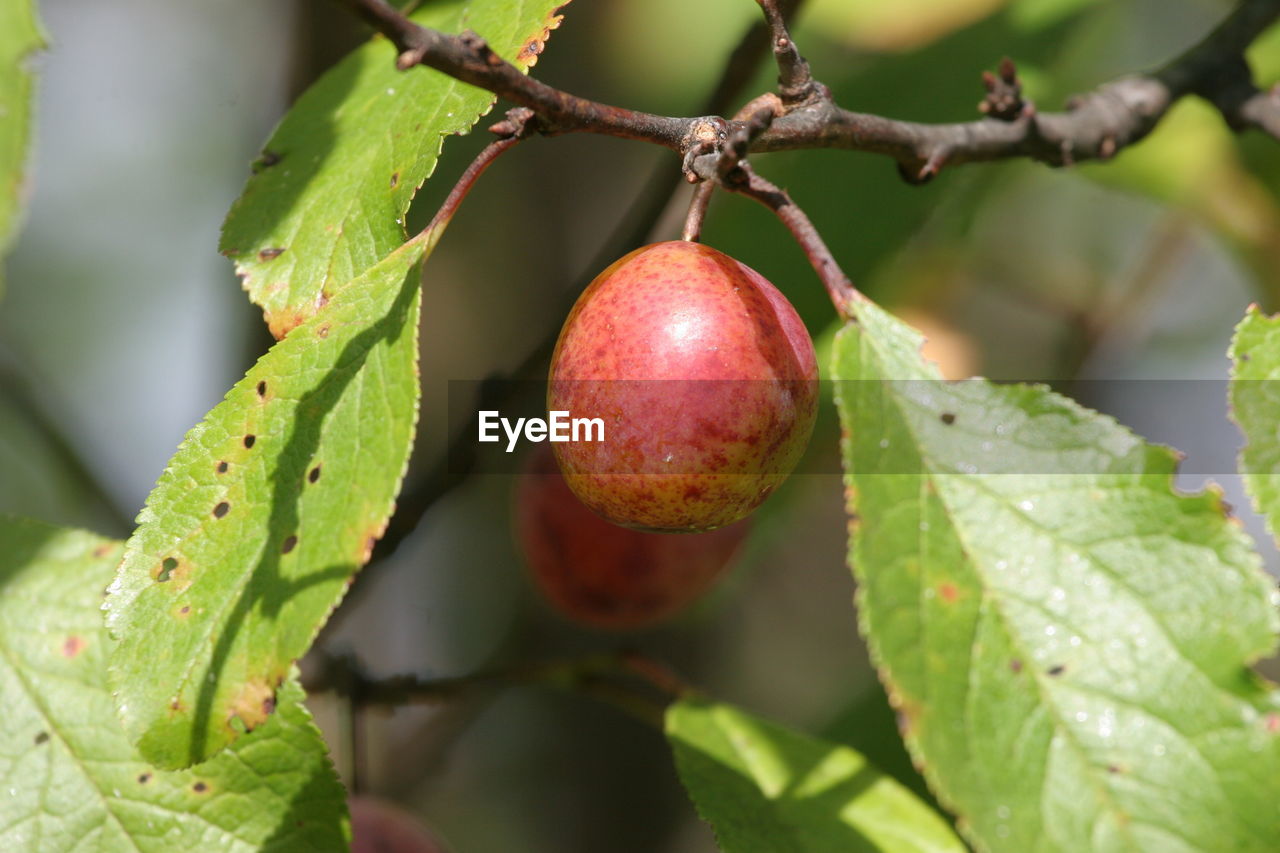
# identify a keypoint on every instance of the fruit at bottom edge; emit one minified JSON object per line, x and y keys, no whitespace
{"x":704,"y":377}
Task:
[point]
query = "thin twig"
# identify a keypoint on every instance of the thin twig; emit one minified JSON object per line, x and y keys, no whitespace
{"x":795,"y":82}
{"x":843,"y":294}
{"x":629,"y":680}
{"x":519,"y":124}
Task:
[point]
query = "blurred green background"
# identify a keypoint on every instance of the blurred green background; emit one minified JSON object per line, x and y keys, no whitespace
{"x":120,"y":326}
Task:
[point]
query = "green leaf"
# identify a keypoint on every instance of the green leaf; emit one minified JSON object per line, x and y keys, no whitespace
{"x":70,"y":780}
{"x":329,"y":193}
{"x":20,"y":36}
{"x":1065,"y":637}
{"x":1255,"y":403}
{"x":268,"y":508}
{"x":767,"y":788}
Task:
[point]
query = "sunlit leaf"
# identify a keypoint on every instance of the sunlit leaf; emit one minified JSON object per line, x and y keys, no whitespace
{"x":766,"y":788}
{"x":69,"y":778}
{"x":268,"y":508}
{"x":328,"y":195}
{"x":1066,"y":638}
{"x":1255,"y":404}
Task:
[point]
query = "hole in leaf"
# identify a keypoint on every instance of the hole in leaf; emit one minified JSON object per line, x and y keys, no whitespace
{"x":222,"y":467}
{"x":269,"y":254}
{"x":268,"y":159}
{"x":947,"y":418}
{"x":1057,"y":670}
{"x":186,"y":608}
{"x":313,"y":474}
{"x":249,"y":440}
{"x":199,"y":787}
{"x":221,"y":509}
{"x":289,"y":544}
{"x":395,"y":179}
{"x":262,"y":388}
{"x":42,"y":737}
{"x":144,"y":778}
{"x":166,"y":569}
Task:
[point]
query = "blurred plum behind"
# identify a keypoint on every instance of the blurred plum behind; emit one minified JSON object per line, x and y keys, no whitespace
{"x":124,"y":324}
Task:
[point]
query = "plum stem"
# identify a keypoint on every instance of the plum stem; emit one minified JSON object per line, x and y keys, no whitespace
{"x":745,"y":181}
{"x":697,"y":211}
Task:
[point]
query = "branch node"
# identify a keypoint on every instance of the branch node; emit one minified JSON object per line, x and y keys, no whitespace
{"x":518,"y":122}
{"x":409,"y":58}
{"x":1004,"y":93}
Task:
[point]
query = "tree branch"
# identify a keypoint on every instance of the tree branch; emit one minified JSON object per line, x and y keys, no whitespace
{"x":1095,"y":125}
